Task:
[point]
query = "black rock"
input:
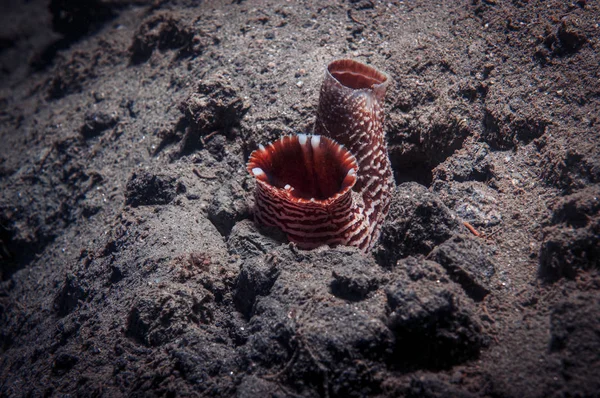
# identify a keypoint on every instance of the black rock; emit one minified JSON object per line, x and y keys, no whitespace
{"x":228,"y":207}
{"x":146,"y":188}
{"x":575,"y":342}
{"x":247,"y":240}
{"x":257,"y":276}
{"x":417,"y":222}
{"x":162,"y":31}
{"x":471,"y":164}
{"x":572,"y":240}
{"x":158,"y":319}
{"x":433,"y":321}
{"x":97,"y":122}
{"x":354,"y":281}
{"x":320,"y":337}
{"x":216,"y":106}
{"x":468,"y":263}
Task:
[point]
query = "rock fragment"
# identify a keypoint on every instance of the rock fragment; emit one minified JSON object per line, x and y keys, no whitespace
{"x":97,"y":122}
{"x":468,"y":263}
{"x":575,"y":342}
{"x":417,"y":222}
{"x":246,"y":240}
{"x":148,"y":187}
{"x":572,"y":240}
{"x":228,"y":207}
{"x":433,"y":321}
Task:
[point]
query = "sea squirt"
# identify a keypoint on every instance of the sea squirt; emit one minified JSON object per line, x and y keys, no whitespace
{"x":333,"y":187}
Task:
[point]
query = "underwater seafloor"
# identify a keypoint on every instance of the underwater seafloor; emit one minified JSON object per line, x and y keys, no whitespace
{"x":130,"y":265}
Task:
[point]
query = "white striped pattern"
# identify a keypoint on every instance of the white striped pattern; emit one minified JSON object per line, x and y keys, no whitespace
{"x":350,"y":112}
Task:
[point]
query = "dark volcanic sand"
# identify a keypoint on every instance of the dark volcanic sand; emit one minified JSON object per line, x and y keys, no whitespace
{"x":130,"y":265}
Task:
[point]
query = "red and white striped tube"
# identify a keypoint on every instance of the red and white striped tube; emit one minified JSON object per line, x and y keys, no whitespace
{"x":334,"y":187}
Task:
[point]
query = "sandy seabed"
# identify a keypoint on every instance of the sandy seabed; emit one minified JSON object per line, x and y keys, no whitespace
{"x":129,"y":261}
